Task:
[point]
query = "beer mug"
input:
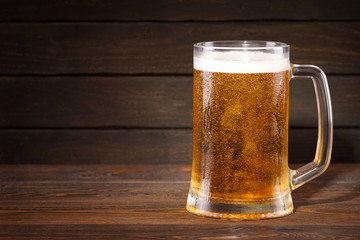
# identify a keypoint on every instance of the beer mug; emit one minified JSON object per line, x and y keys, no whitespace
{"x":240,"y":130}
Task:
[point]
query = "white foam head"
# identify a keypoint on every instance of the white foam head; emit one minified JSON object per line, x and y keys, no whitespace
{"x":241,"y":62}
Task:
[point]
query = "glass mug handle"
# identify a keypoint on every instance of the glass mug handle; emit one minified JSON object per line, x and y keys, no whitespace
{"x":321,"y":161}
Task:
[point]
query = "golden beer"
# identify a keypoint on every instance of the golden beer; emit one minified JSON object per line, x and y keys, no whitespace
{"x":240,"y":133}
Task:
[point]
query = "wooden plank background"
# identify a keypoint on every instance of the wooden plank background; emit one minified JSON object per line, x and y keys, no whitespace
{"x":177,"y":10}
{"x":163,"y":47}
{"x":111,"y":81}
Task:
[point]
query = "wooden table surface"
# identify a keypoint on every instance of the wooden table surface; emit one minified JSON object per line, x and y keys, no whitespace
{"x":148,"y":201}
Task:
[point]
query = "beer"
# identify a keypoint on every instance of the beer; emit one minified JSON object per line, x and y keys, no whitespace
{"x":240,"y":129}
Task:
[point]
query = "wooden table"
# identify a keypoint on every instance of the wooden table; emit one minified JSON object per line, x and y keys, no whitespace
{"x":148,"y":201}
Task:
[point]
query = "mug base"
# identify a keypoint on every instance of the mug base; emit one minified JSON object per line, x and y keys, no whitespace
{"x":241,"y":210}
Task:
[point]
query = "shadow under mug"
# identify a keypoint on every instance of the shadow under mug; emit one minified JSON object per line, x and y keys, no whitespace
{"x":240,"y":130}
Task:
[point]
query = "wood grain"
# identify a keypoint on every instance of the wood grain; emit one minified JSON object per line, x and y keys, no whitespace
{"x":148,"y":101}
{"x":144,"y":146}
{"x":163,"y":48}
{"x":139,"y":173}
{"x":95,"y":146}
{"x":63,"y":102}
{"x":223,"y":230}
{"x":143,"y":201}
{"x":174,"y":10}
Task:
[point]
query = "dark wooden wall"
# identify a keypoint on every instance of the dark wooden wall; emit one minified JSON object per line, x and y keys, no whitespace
{"x":111,"y":81}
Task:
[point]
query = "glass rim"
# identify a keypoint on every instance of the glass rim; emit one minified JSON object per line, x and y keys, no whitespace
{"x":241,"y":45}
